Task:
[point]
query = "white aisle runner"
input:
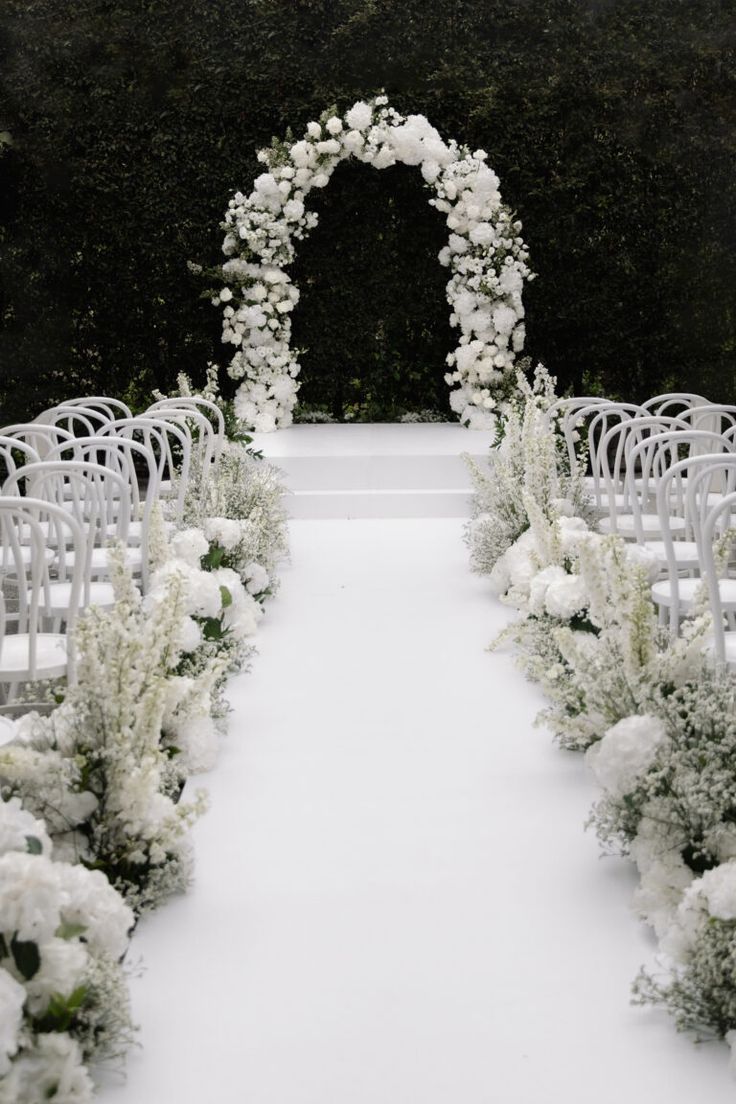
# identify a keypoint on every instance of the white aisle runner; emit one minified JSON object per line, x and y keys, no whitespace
{"x":396,"y":902}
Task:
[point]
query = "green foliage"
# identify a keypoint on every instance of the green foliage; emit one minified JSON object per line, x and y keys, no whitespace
{"x":62,"y":1011}
{"x":125,"y":127}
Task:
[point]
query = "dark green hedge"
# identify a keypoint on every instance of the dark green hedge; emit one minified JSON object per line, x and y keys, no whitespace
{"x":610,"y":123}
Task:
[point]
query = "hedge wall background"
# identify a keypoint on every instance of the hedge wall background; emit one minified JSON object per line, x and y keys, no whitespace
{"x":609,"y":122}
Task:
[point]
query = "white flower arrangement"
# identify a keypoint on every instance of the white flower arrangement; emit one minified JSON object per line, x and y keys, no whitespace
{"x":525,"y":481}
{"x":219,"y":618}
{"x":241,"y":514}
{"x":95,"y":768}
{"x":656,"y":717}
{"x":485,"y":253}
{"x":63,"y":996}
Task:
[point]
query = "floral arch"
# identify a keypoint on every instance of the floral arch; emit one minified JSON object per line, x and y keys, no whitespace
{"x":485,"y":253}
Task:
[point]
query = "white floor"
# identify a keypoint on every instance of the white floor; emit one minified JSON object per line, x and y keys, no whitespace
{"x":396,"y":902}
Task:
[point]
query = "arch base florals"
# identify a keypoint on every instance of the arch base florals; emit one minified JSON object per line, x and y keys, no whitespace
{"x":485,"y":254}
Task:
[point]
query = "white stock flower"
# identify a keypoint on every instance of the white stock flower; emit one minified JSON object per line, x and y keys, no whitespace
{"x":625,"y":752}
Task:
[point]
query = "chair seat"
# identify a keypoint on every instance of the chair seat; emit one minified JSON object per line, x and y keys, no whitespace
{"x":26,"y":552}
{"x":650,"y":523}
{"x":51,"y":657}
{"x":686,"y":552}
{"x":99,"y":562}
{"x":100,"y":594}
{"x":135,"y":530}
{"x":729,"y":647}
{"x":688,"y":588}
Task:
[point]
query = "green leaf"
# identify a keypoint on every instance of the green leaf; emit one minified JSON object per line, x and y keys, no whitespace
{"x":226,"y":596}
{"x":33,"y":845}
{"x":67,"y":930}
{"x":61,"y":1010}
{"x":26,"y":957}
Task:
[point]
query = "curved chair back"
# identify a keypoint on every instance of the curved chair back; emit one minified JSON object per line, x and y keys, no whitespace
{"x":210,"y":409}
{"x":26,"y":523}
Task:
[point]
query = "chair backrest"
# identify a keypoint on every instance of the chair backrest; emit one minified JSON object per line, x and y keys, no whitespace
{"x":714,"y":417}
{"x":704,"y":477}
{"x":13,"y":449}
{"x":171,"y":445}
{"x":29,"y":523}
{"x":96,"y":496}
{"x":198,"y":426}
{"x":650,"y":458}
{"x":568,"y":414}
{"x":39,"y":436}
{"x":608,"y":429}
{"x":673,"y":403}
{"x":718,"y":521}
{"x":124,"y":456}
{"x":79,"y":421}
{"x":210,"y":409}
{"x":111,"y":408}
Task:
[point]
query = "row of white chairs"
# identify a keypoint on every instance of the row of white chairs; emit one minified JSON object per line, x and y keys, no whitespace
{"x":84,"y":474}
{"x":663,"y":474}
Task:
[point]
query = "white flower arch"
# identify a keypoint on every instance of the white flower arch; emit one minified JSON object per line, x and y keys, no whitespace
{"x":486,"y":256}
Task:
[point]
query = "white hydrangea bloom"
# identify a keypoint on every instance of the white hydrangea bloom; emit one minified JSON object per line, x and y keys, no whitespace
{"x":190,"y":545}
{"x":88,"y":899}
{"x":256,"y":577}
{"x":541,"y":583}
{"x":359,"y":116}
{"x":30,"y":902}
{"x":62,"y":970}
{"x":50,"y":1069}
{"x":17,"y":826}
{"x":566,"y":597}
{"x":12,"y":999}
{"x":625,"y":752}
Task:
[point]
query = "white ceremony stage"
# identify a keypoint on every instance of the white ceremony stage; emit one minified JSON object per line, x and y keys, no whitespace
{"x":395,"y":899}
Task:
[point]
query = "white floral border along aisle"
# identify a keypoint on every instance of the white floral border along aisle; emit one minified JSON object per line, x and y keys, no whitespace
{"x":485,"y":253}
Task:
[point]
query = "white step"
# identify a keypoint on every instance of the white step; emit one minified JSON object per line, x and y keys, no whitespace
{"x":379,"y":470}
{"x":378,"y":504}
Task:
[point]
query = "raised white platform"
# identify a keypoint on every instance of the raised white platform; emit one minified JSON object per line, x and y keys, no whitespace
{"x":382,"y":470}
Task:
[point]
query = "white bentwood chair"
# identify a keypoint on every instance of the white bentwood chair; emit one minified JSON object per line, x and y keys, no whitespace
{"x":707,"y":479}
{"x":37,"y":650}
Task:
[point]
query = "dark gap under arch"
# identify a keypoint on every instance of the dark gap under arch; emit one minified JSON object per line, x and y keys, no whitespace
{"x":377,"y":239}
